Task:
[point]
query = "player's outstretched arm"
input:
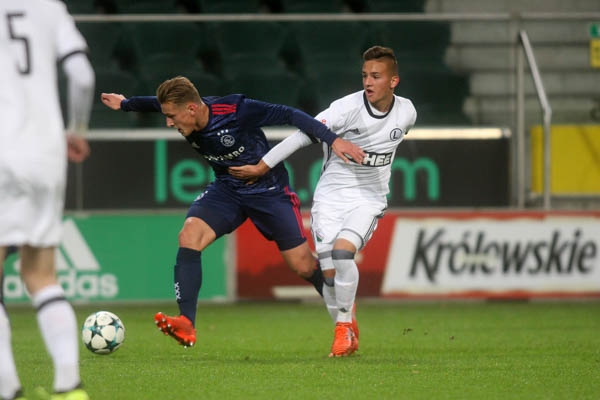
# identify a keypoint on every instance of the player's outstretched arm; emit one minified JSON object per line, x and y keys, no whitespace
{"x":112,"y":100}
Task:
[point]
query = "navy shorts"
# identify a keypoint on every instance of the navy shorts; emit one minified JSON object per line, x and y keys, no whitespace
{"x":275,"y":213}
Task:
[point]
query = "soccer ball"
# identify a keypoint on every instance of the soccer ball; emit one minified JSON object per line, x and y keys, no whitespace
{"x":103,"y":332}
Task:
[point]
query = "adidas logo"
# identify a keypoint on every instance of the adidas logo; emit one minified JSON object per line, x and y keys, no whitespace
{"x":78,"y":270}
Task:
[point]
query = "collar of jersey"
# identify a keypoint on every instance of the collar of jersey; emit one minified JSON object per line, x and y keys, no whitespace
{"x":368,"y":106}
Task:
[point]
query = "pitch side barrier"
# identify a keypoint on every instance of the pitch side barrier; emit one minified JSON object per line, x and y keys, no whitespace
{"x":441,"y":255}
{"x":418,"y":254}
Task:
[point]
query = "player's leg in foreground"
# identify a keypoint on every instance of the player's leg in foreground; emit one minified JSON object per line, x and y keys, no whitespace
{"x":212,"y":215}
{"x":356,"y":230}
{"x":56,"y":319}
{"x":193,"y":238}
{"x":345,"y":340}
{"x":10,"y":386}
{"x":336,"y":256}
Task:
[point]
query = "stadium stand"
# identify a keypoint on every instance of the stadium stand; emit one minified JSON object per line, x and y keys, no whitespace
{"x":230,"y":6}
{"x":279,"y":87}
{"x":312,"y":6}
{"x":81,"y":6}
{"x":248,"y":46}
{"x":186,"y":41}
{"x":315,"y":62}
{"x":437,"y":91}
{"x":483,"y":51}
{"x":111,"y":80}
{"x":395,"y":6}
{"x":320,"y":44}
{"x":103,"y":42}
{"x":148,"y":7}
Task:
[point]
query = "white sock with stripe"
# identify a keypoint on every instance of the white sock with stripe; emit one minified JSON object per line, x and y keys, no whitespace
{"x":346,"y":283}
{"x":58,"y":325}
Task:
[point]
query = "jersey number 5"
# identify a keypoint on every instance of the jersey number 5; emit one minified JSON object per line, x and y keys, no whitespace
{"x":26,"y":68}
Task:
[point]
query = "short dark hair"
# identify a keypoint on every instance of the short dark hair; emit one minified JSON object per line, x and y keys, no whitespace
{"x":178,"y":90}
{"x":380,"y":52}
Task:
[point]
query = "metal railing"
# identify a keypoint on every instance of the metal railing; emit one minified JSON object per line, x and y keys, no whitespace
{"x":547,"y":118}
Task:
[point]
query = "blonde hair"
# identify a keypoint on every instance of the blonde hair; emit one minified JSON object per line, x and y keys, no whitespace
{"x":179,"y":90}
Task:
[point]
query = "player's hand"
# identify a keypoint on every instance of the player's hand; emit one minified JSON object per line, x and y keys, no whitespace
{"x":78,"y":148}
{"x":347,"y":151}
{"x":112,"y":100}
{"x":249,"y":173}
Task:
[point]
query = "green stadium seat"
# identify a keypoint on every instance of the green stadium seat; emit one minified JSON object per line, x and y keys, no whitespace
{"x":81,"y":6}
{"x":432,"y":36}
{"x":159,"y":67}
{"x":113,"y":81}
{"x":330,"y":84}
{"x":319,"y":43}
{"x":180,"y":39}
{"x":230,"y":6}
{"x":248,"y":46}
{"x":395,"y":6}
{"x":278,"y":87}
{"x":415,"y":43}
{"x":177,"y":38}
{"x":148,"y":7}
{"x":436,"y":91}
{"x":312,"y":6}
{"x":103,"y":40}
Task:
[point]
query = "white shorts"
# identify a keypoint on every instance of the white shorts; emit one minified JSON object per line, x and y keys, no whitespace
{"x":31,"y":205}
{"x":328,"y":220}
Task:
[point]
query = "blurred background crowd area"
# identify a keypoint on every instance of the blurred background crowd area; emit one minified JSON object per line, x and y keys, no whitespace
{"x":458,"y":72}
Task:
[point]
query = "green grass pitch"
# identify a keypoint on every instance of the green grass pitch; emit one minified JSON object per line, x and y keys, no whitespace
{"x":513,"y":350}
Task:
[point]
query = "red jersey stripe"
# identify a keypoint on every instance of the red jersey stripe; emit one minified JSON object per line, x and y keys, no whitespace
{"x":223,"y":109}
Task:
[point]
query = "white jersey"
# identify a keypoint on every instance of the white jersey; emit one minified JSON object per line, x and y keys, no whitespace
{"x":378,"y":134}
{"x":40,"y":33}
{"x":34,"y":36}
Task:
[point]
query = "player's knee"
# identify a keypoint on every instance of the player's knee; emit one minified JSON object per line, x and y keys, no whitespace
{"x":305,"y":266}
{"x":348,"y":240}
{"x":195,"y":235}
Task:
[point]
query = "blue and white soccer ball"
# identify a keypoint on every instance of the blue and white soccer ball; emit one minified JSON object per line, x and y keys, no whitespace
{"x":103,"y":332}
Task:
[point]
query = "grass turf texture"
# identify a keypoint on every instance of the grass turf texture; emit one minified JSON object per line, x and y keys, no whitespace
{"x":279,"y":351}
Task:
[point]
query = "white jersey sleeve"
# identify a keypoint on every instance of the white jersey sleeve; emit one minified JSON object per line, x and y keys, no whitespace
{"x":286,"y":148}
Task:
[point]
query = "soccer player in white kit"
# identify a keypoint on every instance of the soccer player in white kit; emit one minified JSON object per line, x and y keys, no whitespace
{"x":349,"y":197}
{"x":34,"y":36}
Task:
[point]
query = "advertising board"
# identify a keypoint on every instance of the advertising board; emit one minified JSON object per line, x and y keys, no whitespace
{"x":450,"y":254}
{"x":121,"y":258}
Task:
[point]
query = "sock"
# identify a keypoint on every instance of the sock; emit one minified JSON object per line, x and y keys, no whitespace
{"x":317,"y":279}
{"x":329,"y":297}
{"x":326,"y":263}
{"x":58,"y":325}
{"x":188,"y":280}
{"x":9,"y":380}
{"x":346,"y":283}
